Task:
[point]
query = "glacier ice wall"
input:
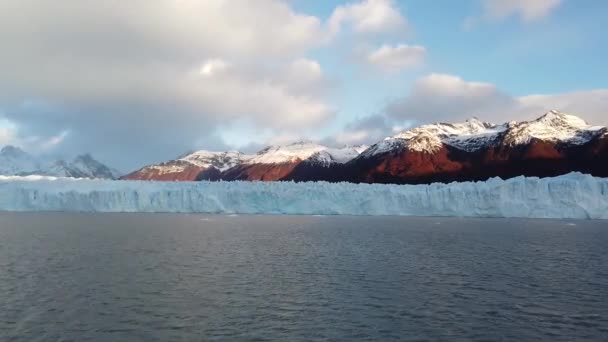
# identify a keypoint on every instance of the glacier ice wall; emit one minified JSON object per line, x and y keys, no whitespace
{"x":570,"y":196}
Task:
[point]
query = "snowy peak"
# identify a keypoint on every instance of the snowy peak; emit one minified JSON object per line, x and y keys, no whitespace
{"x":83,"y":166}
{"x":340,"y":155}
{"x":15,"y":161}
{"x":557,"y":118}
{"x":279,"y":154}
{"x":188,"y":167}
{"x":474,"y":134}
{"x":468,"y":135}
{"x":554,"y":126}
{"x":13,"y":152}
{"x":306,"y":151}
{"x":219,"y":160}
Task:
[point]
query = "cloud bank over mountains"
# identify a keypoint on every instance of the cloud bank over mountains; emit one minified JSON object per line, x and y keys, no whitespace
{"x":136,"y":82}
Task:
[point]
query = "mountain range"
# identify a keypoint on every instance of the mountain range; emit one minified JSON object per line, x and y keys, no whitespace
{"x":553,"y":144}
{"x":16,"y":162}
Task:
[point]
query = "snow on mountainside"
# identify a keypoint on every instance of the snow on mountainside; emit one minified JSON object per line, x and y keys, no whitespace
{"x":294,"y":152}
{"x":83,"y":166}
{"x":340,"y":155}
{"x":429,"y":138}
{"x":305,"y":151}
{"x":553,"y":126}
{"x":570,"y":196}
{"x":189,"y":166}
{"x":219,"y":160}
{"x":554,"y":144}
{"x":474,"y":134}
{"x":15,"y":161}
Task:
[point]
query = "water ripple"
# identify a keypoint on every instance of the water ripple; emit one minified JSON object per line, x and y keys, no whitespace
{"x":260,"y":278}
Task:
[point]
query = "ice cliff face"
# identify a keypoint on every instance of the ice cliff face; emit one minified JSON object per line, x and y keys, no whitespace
{"x":570,"y":196}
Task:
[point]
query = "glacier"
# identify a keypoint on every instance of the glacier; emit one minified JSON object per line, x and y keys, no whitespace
{"x":571,"y":196}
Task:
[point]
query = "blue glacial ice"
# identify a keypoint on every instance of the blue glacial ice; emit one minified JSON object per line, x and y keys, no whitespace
{"x":573,"y":196}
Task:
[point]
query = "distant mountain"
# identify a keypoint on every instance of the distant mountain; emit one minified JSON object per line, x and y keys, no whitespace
{"x":192,"y":166}
{"x":554,"y":144}
{"x":280,"y":162}
{"x":299,"y":161}
{"x":83,"y":166}
{"x":16,"y":162}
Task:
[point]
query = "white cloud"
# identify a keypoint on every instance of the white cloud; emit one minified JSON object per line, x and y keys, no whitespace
{"x":449,"y":98}
{"x":305,"y":76}
{"x":156,"y":77}
{"x":368,"y":130}
{"x":441,"y":97}
{"x":11,"y":134}
{"x":591,"y":105}
{"x":53,"y":141}
{"x":498,"y":10}
{"x":7,"y":136}
{"x":528,"y":10}
{"x":353,"y":137}
{"x":213,"y":66}
{"x":398,"y":57}
{"x":369,"y":16}
{"x":438,"y":97}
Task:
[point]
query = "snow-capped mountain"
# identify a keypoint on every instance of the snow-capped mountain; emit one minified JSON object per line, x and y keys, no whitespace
{"x":430,"y":138}
{"x":299,"y":161}
{"x":554,"y":126}
{"x":219,"y":160}
{"x":271,"y":163}
{"x":279,"y":154}
{"x":305,"y":151}
{"x":341,"y":155}
{"x":191,"y":166}
{"x":553,"y":144}
{"x":474,"y":134}
{"x":83,"y":166}
{"x":15,"y":161}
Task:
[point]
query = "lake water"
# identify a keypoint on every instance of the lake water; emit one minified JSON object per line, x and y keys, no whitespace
{"x":157,"y":277}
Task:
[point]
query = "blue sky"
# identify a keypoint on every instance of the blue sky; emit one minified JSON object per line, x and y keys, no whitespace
{"x":504,"y":51}
{"x":563,"y":51}
{"x":135,"y":82}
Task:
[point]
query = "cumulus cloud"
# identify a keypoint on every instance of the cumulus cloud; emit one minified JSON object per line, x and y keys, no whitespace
{"x":591,"y":105}
{"x":369,"y":130}
{"x":11,"y":134}
{"x":449,"y":98}
{"x":369,"y":16}
{"x":397,"y":57}
{"x":141,"y":82}
{"x":439,"y":97}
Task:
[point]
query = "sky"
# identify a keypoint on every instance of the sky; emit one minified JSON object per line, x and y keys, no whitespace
{"x":137,"y":82}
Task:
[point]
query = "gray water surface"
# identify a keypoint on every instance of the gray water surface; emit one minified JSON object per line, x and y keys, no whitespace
{"x":157,"y":277}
